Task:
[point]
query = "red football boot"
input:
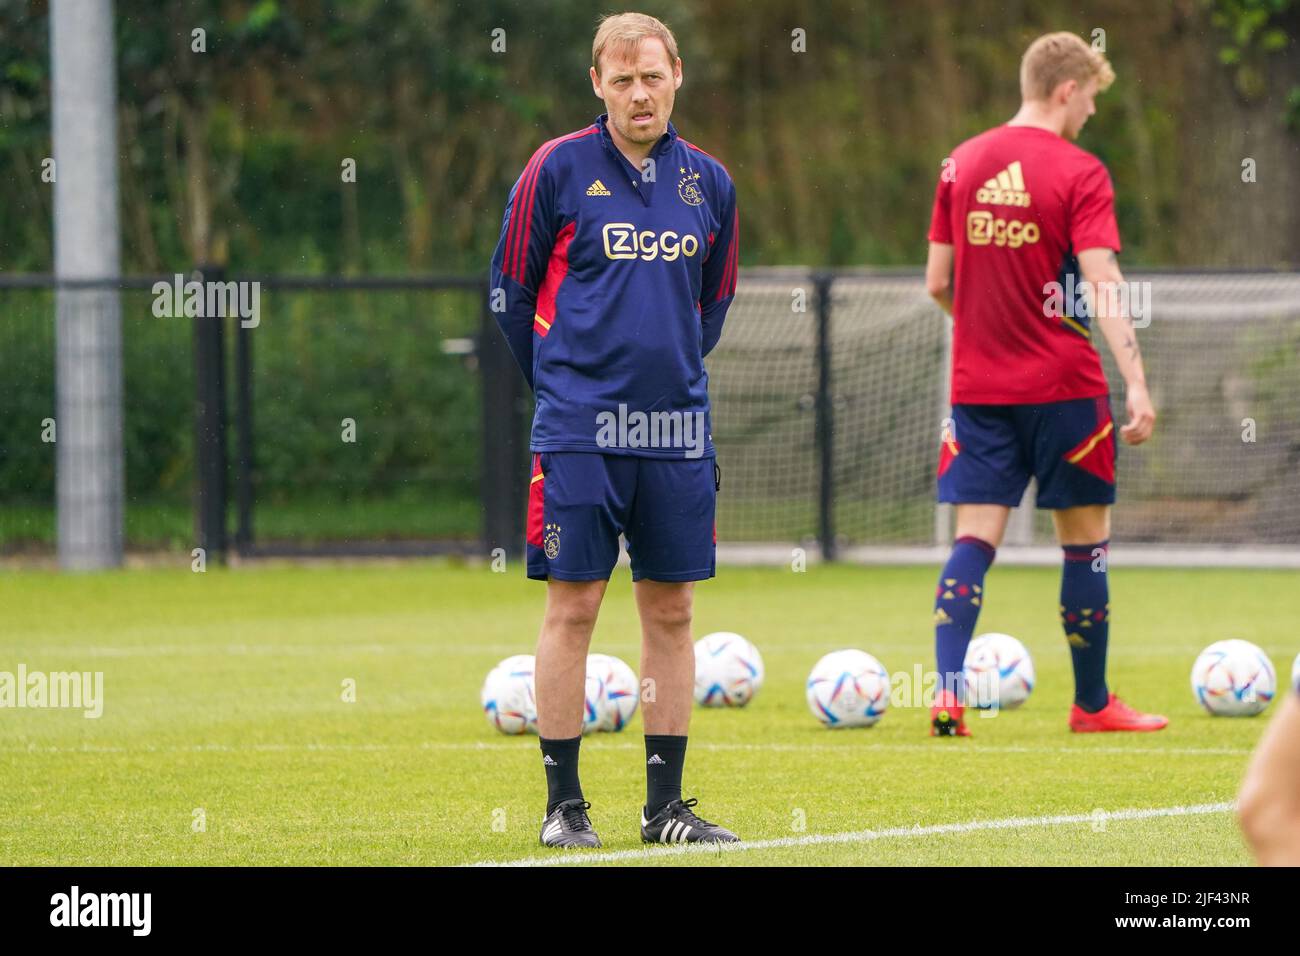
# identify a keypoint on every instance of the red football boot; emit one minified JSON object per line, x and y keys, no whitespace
{"x":946,"y":717}
{"x":1116,"y":715}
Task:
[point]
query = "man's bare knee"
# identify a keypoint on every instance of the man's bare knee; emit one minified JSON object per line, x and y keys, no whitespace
{"x":666,"y":608}
{"x":986,"y":522}
{"x":1086,"y":524}
{"x":572,"y":606}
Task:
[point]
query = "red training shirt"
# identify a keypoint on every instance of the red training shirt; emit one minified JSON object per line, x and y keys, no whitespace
{"x":1018,"y":203}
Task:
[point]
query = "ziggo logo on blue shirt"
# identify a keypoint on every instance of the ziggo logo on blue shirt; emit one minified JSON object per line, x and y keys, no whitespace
{"x":624,"y":241}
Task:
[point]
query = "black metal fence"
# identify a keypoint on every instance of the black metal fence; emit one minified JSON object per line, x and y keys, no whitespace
{"x":826,"y":417}
{"x":421,"y":356}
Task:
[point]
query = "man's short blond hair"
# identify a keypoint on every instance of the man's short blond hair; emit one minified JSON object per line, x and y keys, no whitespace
{"x":1056,"y":57}
{"x":622,"y":33}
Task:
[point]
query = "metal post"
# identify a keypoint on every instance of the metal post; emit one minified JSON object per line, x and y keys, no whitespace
{"x":244,"y":425}
{"x":505,"y":459}
{"x":88,"y":364}
{"x":210,"y":428}
{"x":825,"y":428}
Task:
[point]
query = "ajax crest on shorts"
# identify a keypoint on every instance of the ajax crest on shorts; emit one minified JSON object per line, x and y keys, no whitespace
{"x":551,"y":541}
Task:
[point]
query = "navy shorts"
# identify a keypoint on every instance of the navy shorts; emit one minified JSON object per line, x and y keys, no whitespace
{"x":580,"y":502}
{"x":990,"y":452}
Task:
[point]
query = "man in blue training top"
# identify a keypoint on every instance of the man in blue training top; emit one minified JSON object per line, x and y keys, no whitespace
{"x":615,"y":268}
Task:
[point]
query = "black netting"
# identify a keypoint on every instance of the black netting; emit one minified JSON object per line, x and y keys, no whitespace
{"x":1222,"y":353}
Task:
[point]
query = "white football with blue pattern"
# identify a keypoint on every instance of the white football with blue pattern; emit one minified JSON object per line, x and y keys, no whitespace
{"x":1234,"y":678}
{"x":728,"y":670}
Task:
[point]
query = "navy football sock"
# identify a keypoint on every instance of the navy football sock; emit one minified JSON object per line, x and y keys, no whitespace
{"x":665,"y":755}
{"x":957,"y":606}
{"x":560,"y":760}
{"x":1085,"y":615}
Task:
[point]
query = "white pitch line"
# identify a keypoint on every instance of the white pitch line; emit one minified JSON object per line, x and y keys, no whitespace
{"x":249,"y":650}
{"x":424,"y":649}
{"x":976,"y":749}
{"x":505,"y":746}
{"x":575,"y":857}
{"x":848,"y":749}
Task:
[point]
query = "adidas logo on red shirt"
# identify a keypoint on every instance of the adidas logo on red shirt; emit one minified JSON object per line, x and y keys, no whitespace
{"x":1007,"y":188}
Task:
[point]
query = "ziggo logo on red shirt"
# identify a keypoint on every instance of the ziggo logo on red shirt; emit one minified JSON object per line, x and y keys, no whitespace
{"x":982,"y":229}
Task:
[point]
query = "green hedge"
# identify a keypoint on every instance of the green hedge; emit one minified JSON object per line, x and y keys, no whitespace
{"x":319,"y":357}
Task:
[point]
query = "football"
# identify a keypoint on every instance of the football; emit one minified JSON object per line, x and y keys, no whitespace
{"x":508,"y":698}
{"x":848,"y":689}
{"x":998,"y":672}
{"x":593,"y":701}
{"x":620,"y":691}
{"x":1233,"y":678}
{"x":728,"y":670}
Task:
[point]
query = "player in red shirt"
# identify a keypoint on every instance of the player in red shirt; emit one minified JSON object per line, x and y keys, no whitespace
{"x":1021,"y":215}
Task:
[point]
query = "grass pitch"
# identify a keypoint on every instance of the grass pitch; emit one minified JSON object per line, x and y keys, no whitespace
{"x":225,"y":738}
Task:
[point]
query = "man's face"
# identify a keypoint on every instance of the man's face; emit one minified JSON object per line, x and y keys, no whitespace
{"x":1079,"y":105}
{"x":638,"y":90}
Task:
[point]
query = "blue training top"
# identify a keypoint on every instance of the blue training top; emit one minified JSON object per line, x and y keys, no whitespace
{"x":611,"y":284}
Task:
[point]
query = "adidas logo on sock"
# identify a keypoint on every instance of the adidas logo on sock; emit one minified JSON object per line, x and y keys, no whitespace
{"x":656,"y":761}
{"x":548,"y":762}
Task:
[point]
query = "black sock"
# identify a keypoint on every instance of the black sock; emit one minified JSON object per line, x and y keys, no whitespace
{"x":664,"y":758}
{"x":560,"y":760}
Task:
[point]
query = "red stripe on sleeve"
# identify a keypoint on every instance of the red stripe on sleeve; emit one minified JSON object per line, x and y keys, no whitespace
{"x":556,"y":270}
{"x":735,"y":249}
{"x":530,"y":194}
{"x":728,"y":284}
{"x":516,"y":214}
{"x":525,"y":235}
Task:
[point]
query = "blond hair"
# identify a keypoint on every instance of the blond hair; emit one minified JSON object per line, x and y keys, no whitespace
{"x":623,"y":32}
{"x":1056,"y":57}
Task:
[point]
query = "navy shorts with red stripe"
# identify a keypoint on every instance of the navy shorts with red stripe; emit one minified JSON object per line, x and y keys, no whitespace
{"x":580,"y":502}
{"x":991,"y":451}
